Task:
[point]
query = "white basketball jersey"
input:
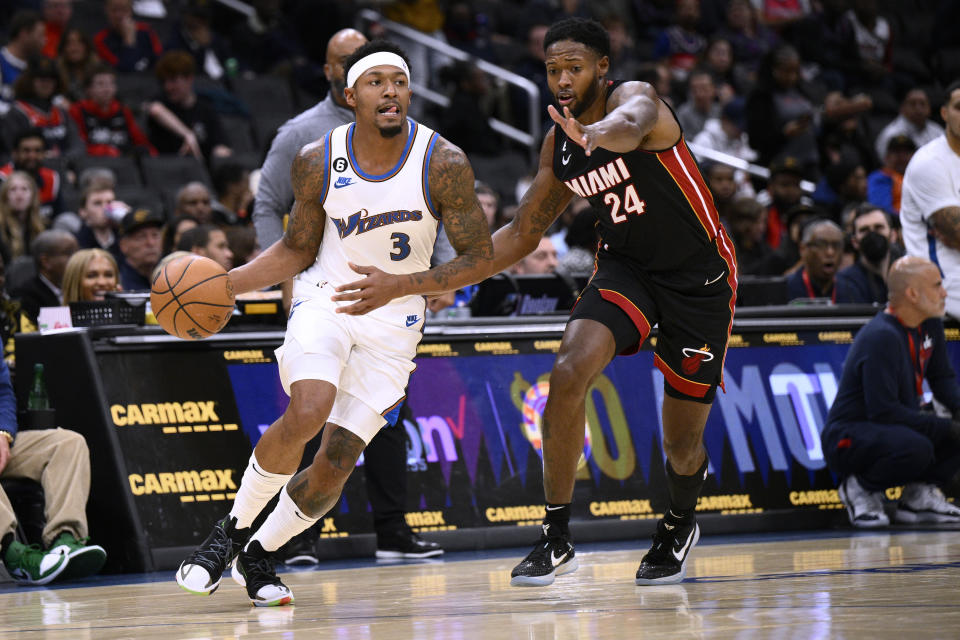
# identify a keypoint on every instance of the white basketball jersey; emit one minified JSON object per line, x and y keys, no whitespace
{"x":386,"y":220}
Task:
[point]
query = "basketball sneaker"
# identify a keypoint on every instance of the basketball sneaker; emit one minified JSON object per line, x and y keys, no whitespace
{"x":553,"y":556}
{"x":405,"y":543}
{"x":29,"y":564}
{"x":82,"y":559}
{"x":666,"y":562}
{"x":864,"y":508}
{"x":301,"y":550}
{"x":255,"y":570}
{"x":200,"y":573}
{"x":922,"y":502}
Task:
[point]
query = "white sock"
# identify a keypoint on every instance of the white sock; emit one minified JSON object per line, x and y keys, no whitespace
{"x":256,"y":489}
{"x":283,"y":523}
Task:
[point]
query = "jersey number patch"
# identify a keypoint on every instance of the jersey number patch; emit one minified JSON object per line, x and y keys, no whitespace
{"x":401,"y":242}
{"x":631,"y":204}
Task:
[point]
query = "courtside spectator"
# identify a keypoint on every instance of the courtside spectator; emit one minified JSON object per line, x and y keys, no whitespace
{"x":50,"y":250}
{"x":26,"y":37}
{"x":865,"y":281}
{"x":141,"y":243}
{"x":180,"y":120}
{"x":125,"y":44}
{"x":29,"y":149}
{"x":821,"y":247}
{"x":106,"y":125}
{"x":885,"y":185}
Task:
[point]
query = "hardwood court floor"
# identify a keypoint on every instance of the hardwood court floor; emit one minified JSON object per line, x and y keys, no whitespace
{"x":901,"y":585}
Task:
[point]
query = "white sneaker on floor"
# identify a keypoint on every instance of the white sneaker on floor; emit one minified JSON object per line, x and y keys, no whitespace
{"x":922,"y":502}
{"x":865,"y":508}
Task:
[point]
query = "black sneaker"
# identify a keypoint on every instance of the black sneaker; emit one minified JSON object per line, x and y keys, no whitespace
{"x":405,"y":543}
{"x":301,"y":551}
{"x":666,"y":562}
{"x":255,"y":570}
{"x":553,"y":556}
{"x":200,"y":573}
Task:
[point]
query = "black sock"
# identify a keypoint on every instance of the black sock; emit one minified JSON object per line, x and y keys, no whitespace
{"x":684,"y":491}
{"x":558,"y":517}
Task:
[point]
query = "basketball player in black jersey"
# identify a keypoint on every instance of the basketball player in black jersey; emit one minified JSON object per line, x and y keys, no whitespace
{"x":663,"y":259}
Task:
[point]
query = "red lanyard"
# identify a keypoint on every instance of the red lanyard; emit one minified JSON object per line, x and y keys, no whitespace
{"x":809,"y":286}
{"x":918,"y":362}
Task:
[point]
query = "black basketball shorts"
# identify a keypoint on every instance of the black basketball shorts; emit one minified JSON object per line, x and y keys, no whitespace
{"x":692,"y":307}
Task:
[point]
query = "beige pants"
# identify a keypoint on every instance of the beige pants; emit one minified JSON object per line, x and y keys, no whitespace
{"x":60,"y":461}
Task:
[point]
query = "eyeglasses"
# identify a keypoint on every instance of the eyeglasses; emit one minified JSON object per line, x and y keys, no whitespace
{"x":824,"y":245}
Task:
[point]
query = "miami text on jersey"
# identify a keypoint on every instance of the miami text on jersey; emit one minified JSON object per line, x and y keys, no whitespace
{"x":362,"y":221}
{"x":599,"y":179}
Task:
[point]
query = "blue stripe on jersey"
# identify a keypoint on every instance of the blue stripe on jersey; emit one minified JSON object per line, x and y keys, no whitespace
{"x":426,"y":176}
{"x":932,"y":248}
{"x":392,"y":172}
{"x":326,"y":167}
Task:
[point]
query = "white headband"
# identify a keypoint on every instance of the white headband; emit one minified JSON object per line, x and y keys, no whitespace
{"x":375,"y":60}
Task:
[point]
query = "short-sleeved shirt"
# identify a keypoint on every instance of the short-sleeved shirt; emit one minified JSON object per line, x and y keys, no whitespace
{"x":202,"y":120}
{"x":930,"y":183}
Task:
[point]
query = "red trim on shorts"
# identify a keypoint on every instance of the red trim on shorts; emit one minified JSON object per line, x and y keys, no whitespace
{"x":633,"y":312}
{"x":681,"y":384}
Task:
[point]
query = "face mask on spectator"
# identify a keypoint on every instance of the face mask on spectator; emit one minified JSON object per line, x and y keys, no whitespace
{"x":874,"y":247}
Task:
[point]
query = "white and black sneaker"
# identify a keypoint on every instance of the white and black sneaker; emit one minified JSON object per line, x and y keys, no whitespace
{"x":255,"y":570}
{"x":922,"y":502}
{"x":200,"y":573}
{"x":553,"y":556}
{"x":864,"y":508}
{"x":666,"y":562}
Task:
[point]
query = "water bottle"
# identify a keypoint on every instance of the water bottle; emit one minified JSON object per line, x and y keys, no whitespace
{"x":38,"y":398}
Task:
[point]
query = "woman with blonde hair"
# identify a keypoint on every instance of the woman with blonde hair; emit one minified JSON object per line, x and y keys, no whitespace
{"x":89,"y":275}
{"x":20,"y":220}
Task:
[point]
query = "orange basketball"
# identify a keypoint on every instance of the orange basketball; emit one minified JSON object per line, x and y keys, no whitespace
{"x":192,"y":297}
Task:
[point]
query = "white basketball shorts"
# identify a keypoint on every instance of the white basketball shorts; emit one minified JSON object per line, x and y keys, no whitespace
{"x":368,"y":360}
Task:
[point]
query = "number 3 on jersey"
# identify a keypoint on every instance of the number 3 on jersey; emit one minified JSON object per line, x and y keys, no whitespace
{"x":401,"y":242}
{"x":631,"y":204}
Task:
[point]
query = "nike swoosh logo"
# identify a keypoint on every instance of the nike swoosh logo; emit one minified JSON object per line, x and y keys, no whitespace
{"x":669,"y":527}
{"x":566,"y":159}
{"x":553,"y":508}
{"x":715,"y":279}
{"x":339,"y":185}
{"x":555,"y":559}
{"x":411,"y":323}
{"x":679,"y":555}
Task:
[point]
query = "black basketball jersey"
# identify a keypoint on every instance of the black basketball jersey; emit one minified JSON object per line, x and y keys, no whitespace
{"x":654,"y":207}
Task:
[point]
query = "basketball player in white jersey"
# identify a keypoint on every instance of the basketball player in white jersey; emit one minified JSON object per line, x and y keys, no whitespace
{"x":374,"y":191}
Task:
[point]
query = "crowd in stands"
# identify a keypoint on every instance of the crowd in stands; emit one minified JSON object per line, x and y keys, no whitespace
{"x":132,"y":125}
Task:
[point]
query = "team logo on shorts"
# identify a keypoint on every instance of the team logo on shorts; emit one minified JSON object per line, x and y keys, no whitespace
{"x":693,"y":358}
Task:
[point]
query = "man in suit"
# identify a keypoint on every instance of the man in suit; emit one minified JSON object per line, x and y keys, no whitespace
{"x":50,"y":250}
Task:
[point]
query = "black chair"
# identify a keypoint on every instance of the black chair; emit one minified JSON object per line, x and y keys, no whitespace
{"x":134,"y":89}
{"x":239,"y":133}
{"x":125,"y":169}
{"x":266,"y":94}
{"x":165,"y":172}
{"x":27,"y":499}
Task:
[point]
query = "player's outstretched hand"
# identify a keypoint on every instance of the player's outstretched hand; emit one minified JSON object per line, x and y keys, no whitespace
{"x":577,"y":132}
{"x":375,"y":290}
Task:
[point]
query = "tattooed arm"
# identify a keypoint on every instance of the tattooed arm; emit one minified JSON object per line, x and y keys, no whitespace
{"x":945,"y":224}
{"x":539,"y":207}
{"x":451,"y":189}
{"x":298,"y":248}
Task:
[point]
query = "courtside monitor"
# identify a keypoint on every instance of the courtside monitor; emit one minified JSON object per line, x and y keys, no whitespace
{"x":524,"y":295}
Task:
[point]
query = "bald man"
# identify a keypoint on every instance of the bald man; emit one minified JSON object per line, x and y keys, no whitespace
{"x":880,"y":432}
{"x":385,"y":458}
